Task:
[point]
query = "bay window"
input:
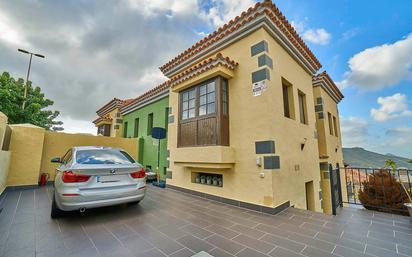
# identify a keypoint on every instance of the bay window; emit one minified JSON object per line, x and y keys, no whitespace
{"x":203,"y":115}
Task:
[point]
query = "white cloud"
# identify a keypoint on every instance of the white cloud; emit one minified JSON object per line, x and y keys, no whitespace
{"x":78,"y":126}
{"x":9,"y":31}
{"x":317,"y":36}
{"x":391,"y":107}
{"x":299,"y":26}
{"x":222,"y":11}
{"x":167,"y":7}
{"x":380,"y":66}
{"x":354,"y":131}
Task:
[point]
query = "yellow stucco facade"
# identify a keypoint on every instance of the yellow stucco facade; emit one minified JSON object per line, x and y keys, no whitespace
{"x":330,"y":143}
{"x":26,"y":147}
{"x":4,"y":155}
{"x":32,"y":148}
{"x":252,"y":119}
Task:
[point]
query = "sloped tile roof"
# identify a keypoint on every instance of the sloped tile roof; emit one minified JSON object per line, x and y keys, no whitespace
{"x":265,"y":7}
{"x":111,"y":105}
{"x":148,"y":94}
{"x":100,"y":119}
{"x":203,"y":67}
{"x":324,"y":78}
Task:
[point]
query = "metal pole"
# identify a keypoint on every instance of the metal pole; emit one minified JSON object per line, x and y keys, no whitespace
{"x":158,"y":160}
{"x":27,"y":83}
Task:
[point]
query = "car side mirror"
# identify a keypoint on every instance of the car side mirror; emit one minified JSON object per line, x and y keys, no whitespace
{"x":56,"y":160}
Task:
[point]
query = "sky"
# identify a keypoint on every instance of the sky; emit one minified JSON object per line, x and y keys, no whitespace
{"x":97,"y":50}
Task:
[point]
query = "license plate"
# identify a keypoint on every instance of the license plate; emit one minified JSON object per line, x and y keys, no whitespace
{"x":109,"y":178}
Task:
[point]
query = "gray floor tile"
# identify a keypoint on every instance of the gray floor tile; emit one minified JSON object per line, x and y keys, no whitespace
{"x":273,"y":230}
{"x":348,"y":252}
{"x":225,"y":244}
{"x":154,"y":228}
{"x":82,"y":252}
{"x":227,"y":233}
{"x":281,"y":252}
{"x":136,"y":244}
{"x":121,"y":230}
{"x":54,"y":252}
{"x":314,"y":252}
{"x":185,"y":252}
{"x":195,"y":244}
{"x":358,"y":246}
{"x":49,"y":243}
{"x":22,"y":252}
{"x":151,"y":253}
{"x":381,"y":244}
{"x":380,"y":252}
{"x":320,"y":244}
{"x":254,"y":243}
{"x":405,"y":250}
{"x":219,"y":253}
{"x":161,"y":241}
{"x":172,"y":231}
{"x":74,"y":243}
{"x":250,"y":253}
{"x":247,"y":231}
{"x":196,"y":231}
{"x":283,"y":242}
{"x":296,"y":229}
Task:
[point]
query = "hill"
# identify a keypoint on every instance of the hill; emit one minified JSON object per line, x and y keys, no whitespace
{"x":359,"y":157}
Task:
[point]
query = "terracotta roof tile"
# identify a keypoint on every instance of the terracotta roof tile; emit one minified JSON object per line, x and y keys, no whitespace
{"x":324,"y":76}
{"x":152,"y":92}
{"x":204,"y":66}
{"x":266,"y":7}
{"x":100,"y":119}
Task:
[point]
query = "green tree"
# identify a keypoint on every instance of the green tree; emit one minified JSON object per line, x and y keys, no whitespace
{"x":390,"y":163}
{"x":11,"y":100}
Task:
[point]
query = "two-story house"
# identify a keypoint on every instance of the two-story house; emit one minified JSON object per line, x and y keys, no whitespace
{"x":245,"y":126}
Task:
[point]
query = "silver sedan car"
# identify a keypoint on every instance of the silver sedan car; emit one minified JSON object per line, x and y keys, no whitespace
{"x":90,"y":177}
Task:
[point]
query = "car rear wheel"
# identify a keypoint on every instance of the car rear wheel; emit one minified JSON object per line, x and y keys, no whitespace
{"x":55,"y":211}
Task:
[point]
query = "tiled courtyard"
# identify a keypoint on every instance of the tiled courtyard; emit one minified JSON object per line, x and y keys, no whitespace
{"x":170,"y":223}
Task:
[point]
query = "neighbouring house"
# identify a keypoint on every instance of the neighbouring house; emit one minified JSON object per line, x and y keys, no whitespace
{"x":145,"y":112}
{"x":135,"y":118}
{"x":251,"y":123}
{"x":109,"y":122}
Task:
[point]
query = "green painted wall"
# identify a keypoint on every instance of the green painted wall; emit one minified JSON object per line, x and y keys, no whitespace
{"x":148,"y":145}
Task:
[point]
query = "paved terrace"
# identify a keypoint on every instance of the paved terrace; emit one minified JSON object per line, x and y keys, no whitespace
{"x":170,"y":223}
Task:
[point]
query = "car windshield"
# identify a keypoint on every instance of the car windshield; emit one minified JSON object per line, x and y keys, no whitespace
{"x":103,"y":156}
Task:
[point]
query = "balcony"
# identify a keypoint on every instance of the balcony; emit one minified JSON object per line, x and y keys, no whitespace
{"x":221,"y":157}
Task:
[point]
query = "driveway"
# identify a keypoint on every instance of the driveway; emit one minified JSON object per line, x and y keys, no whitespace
{"x":170,"y":223}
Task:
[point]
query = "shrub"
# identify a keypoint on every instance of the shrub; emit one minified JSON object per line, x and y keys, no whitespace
{"x":382,"y":192}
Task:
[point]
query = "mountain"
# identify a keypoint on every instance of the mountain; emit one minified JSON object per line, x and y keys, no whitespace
{"x":359,"y":157}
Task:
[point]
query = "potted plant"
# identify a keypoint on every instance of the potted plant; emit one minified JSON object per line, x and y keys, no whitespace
{"x":215,"y":180}
{"x":383,"y":192}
